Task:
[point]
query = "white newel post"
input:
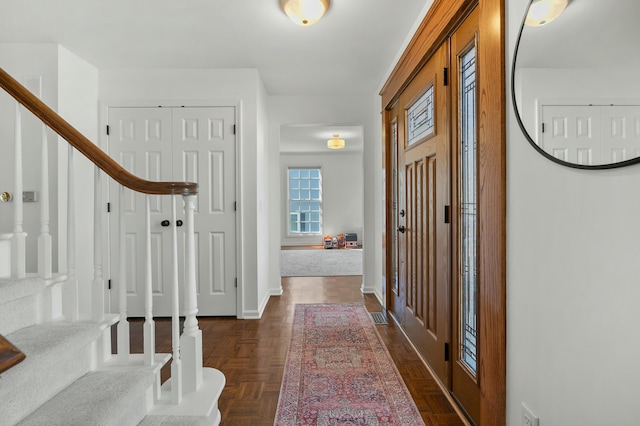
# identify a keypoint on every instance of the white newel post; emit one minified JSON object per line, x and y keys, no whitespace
{"x":176,"y":363}
{"x":97,"y":286}
{"x":123,"y":324}
{"x":191,"y":340}
{"x":18,"y":255}
{"x":71,"y":310}
{"x":44,"y":239}
{"x":149,"y":325}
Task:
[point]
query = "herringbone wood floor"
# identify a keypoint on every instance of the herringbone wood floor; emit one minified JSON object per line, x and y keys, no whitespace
{"x":252,"y":353}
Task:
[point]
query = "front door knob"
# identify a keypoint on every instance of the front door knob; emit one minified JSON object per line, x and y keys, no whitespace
{"x":402,"y":229}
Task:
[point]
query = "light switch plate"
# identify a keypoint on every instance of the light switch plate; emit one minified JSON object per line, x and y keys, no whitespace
{"x":29,"y":196}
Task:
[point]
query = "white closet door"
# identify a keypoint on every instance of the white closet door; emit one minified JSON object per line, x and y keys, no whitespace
{"x":204,"y":151}
{"x":620,"y":133}
{"x":140,"y":140}
{"x":572,"y":133}
{"x":177,"y":144}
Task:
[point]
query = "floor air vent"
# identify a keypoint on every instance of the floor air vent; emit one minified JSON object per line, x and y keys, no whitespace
{"x":378,"y":317}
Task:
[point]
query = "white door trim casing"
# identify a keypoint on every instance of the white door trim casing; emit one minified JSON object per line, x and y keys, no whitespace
{"x":103,"y":143}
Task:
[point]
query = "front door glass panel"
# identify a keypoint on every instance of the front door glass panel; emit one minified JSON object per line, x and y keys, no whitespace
{"x":468,"y":219}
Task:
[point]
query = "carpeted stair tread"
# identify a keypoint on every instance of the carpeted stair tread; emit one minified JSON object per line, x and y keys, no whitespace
{"x":12,"y":289}
{"x":100,"y":398}
{"x":57,"y":354}
{"x":41,"y":341}
{"x":19,"y":303}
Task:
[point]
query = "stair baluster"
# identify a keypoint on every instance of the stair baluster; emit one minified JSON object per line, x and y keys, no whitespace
{"x":149,"y":324}
{"x":44,"y":239}
{"x":71,"y":310}
{"x":149,"y":330}
{"x":123,"y":325}
{"x":97,"y":285}
{"x":191,"y":340}
{"x":176,"y":363}
{"x":18,"y":254}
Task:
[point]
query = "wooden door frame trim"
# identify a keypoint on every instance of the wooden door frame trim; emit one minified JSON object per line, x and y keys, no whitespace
{"x":439,"y":24}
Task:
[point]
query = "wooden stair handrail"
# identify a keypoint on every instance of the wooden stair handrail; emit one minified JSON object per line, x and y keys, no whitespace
{"x":86,"y":147}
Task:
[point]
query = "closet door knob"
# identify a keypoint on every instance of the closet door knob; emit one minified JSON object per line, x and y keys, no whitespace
{"x":165,"y":223}
{"x":178,"y":222}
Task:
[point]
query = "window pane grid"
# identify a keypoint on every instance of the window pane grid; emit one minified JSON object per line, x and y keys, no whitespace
{"x":420,"y":117}
{"x":468,"y":212}
{"x":305,"y":201}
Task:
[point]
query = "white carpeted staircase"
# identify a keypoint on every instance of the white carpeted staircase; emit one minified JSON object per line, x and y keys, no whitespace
{"x":69,"y":376}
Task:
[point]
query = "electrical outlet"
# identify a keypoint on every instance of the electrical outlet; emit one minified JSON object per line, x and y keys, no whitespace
{"x":528,"y":418}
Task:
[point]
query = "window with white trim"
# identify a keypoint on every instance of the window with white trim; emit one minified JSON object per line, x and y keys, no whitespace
{"x":305,"y":200}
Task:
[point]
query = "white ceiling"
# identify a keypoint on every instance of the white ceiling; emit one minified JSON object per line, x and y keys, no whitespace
{"x":348,"y":52}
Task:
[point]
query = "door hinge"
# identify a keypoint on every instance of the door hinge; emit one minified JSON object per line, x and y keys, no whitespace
{"x":447,"y":214}
{"x":109,"y":284}
{"x":542,"y":127}
{"x":234,"y":129}
{"x":445,"y":75}
{"x":446,"y":352}
{"x":108,"y":207}
{"x":235,"y":206}
{"x":236,"y":283}
{"x":107,"y":129}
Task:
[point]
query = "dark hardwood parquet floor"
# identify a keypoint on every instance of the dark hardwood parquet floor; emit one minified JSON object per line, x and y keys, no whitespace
{"x":252,"y":353}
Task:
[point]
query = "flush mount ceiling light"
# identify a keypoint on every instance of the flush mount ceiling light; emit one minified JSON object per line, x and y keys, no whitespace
{"x":335,"y":143}
{"x":542,"y":12}
{"x":304,"y":12}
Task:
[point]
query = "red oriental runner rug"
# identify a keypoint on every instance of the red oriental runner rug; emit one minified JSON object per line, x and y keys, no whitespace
{"x":338,"y":372}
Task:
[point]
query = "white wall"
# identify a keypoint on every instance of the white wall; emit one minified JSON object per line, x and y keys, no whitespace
{"x":263,"y":181}
{"x":78,"y":105}
{"x":572,"y":284}
{"x":347,"y":110}
{"x":342,"y":194}
{"x":239,"y":87}
{"x":579,"y":86}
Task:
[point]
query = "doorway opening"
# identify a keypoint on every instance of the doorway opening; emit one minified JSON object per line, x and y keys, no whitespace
{"x":322,"y":197}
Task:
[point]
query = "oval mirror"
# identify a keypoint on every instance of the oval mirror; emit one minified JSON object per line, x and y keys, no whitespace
{"x":575,"y":82}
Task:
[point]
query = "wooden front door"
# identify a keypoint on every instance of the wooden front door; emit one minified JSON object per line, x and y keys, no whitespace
{"x":421,"y":301}
{"x":449,"y":295}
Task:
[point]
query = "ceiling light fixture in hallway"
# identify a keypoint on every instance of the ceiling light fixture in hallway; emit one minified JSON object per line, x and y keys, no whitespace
{"x":304,"y":12}
{"x":335,"y":143}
